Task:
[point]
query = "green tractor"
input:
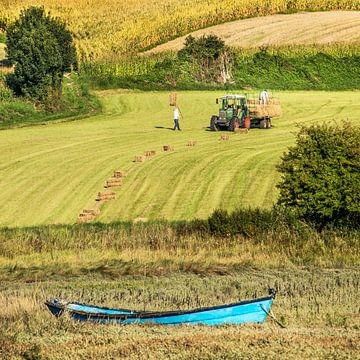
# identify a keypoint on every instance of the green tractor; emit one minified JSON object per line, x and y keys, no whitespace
{"x":232,"y":114}
{"x":236,"y":111}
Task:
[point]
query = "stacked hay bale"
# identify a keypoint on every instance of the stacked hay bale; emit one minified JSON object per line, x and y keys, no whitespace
{"x":191,"y":143}
{"x":270,"y":110}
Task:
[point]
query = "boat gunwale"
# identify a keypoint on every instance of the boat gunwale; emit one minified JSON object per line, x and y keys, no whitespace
{"x":153,"y":314}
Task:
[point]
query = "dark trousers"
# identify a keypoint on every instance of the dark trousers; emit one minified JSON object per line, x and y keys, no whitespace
{"x":176,"y":124}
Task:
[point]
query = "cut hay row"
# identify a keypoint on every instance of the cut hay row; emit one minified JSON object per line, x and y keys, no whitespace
{"x":88,"y":215}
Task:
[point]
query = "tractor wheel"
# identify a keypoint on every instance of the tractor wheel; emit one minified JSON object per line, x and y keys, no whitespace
{"x":213,"y":126}
{"x":232,"y":124}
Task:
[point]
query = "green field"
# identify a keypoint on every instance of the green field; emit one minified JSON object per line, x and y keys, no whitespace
{"x":49,"y":173}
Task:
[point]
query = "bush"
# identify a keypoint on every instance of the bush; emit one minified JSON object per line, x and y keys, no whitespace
{"x":321,"y":175}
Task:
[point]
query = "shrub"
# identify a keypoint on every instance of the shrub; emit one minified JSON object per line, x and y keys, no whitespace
{"x":321,"y":175}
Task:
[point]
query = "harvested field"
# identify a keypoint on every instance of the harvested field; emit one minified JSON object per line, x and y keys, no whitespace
{"x":58,"y":169}
{"x":275,"y":30}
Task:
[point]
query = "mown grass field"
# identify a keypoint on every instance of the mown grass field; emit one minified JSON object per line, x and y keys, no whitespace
{"x":318,"y":308}
{"x":107,"y":30}
{"x":48,"y":174}
{"x":285,"y":29}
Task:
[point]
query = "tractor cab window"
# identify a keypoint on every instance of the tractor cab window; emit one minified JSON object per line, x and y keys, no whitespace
{"x":225,"y":104}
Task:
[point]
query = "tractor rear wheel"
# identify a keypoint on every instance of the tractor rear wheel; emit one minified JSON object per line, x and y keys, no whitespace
{"x":213,"y":121}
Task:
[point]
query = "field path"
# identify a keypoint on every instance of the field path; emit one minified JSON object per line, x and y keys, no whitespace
{"x":301,"y":28}
{"x":48,"y":174}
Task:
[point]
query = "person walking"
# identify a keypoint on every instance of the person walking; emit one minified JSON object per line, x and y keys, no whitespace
{"x":176,"y":118}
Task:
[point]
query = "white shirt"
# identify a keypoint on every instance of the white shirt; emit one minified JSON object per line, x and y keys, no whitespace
{"x":176,"y":114}
{"x":264,"y":97}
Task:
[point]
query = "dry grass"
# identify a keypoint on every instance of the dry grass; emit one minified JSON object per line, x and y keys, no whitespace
{"x":316,"y":306}
{"x":295,"y":29}
{"x":108,"y":29}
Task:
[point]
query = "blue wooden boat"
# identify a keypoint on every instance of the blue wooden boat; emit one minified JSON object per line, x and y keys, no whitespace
{"x":251,"y":311}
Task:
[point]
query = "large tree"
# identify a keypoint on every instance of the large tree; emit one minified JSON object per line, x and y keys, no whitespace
{"x":321,"y":175}
{"x":42,"y":49}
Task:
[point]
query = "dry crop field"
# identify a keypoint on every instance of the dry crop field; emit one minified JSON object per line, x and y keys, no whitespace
{"x":318,"y":308}
{"x":105,"y":30}
{"x":48,"y":174}
{"x":291,"y":29}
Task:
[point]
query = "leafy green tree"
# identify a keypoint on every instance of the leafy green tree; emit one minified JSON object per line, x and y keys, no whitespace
{"x":42,"y":50}
{"x":321,"y":175}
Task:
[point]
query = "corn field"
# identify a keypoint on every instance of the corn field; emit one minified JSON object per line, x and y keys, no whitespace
{"x":105,"y":30}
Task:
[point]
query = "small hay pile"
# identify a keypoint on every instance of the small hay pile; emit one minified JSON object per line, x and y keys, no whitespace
{"x":241,"y":131}
{"x":119,"y":174}
{"x":87,"y":215}
{"x":113,"y":182}
{"x":150,"y":153}
{"x":168,"y":148}
{"x":105,"y":196}
{"x":140,"y":158}
{"x":224,"y":137}
{"x":191,"y":143}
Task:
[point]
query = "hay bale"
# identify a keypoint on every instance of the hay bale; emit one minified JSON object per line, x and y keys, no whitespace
{"x":168,"y":148}
{"x":140,"y":158}
{"x":172,"y":99}
{"x":241,"y":131}
{"x":191,"y":143}
{"x":113,"y":182}
{"x":84,"y":217}
{"x":150,"y":153}
{"x":224,"y":137}
{"x":119,"y":174}
{"x":92,"y":212}
{"x":105,"y":196}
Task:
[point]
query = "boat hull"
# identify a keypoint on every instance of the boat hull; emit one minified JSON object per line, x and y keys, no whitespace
{"x":253,"y":311}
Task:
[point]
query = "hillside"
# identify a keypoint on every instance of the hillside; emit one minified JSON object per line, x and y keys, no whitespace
{"x":107,"y":30}
{"x":274,"y":30}
{"x":48,"y":174}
